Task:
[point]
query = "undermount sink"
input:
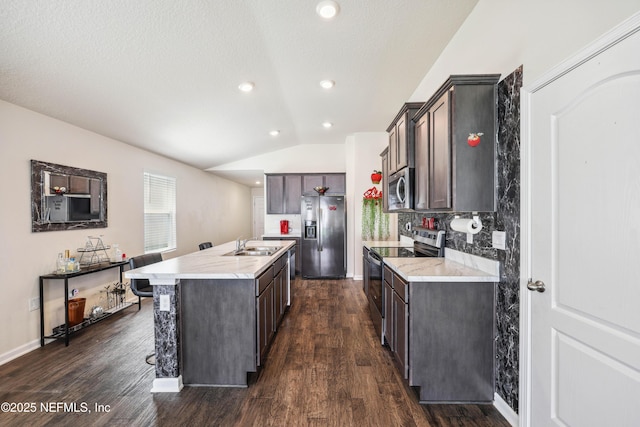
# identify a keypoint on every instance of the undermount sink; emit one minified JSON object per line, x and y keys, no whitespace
{"x":262,"y":248}
{"x":255,"y":251}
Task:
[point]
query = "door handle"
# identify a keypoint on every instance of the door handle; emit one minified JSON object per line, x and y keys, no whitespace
{"x":320,"y":230}
{"x":538,"y":285}
{"x":401,"y":197}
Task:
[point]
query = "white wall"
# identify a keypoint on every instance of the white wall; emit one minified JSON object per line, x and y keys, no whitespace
{"x":500,"y":35}
{"x":363,"y":156}
{"x":307,"y":158}
{"x":204,"y":204}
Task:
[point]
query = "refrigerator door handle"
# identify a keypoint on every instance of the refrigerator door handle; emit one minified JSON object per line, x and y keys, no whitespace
{"x":320,"y":229}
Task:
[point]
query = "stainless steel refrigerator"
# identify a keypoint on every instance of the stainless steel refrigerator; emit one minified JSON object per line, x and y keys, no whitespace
{"x":324,"y":238}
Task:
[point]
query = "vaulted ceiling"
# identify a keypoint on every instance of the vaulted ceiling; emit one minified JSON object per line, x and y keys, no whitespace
{"x":163,"y":75}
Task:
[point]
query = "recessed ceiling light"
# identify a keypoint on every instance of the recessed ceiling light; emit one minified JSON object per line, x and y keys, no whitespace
{"x":246,"y":86}
{"x":258,"y":182}
{"x":327,"y":9}
{"x":327,"y":125}
{"x":327,"y":84}
{"x":274,"y":132}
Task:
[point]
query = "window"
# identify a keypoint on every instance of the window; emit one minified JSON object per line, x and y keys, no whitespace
{"x":159,"y":213}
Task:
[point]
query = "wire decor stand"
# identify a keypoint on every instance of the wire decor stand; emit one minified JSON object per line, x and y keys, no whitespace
{"x":94,"y":252}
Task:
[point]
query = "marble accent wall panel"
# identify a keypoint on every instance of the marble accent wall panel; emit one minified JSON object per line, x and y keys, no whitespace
{"x":507,"y":219}
{"x":167,"y":332}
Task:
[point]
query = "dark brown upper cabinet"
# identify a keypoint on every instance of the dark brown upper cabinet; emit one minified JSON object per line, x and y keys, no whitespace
{"x":451,"y":172}
{"x":283,"y":194}
{"x":401,"y":138}
{"x":385,"y":179}
{"x":335,"y":181}
{"x":284,"y":190}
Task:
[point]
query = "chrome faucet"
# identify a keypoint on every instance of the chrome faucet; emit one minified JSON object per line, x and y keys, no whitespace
{"x":240,"y":244}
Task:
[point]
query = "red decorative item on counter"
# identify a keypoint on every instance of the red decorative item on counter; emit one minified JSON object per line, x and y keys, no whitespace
{"x":376,"y":177}
{"x":474,"y":139}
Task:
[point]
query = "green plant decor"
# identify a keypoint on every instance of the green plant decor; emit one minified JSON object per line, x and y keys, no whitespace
{"x":375,"y":223}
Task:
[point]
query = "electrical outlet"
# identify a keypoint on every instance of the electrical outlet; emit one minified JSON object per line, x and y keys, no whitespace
{"x":469,"y":238}
{"x":164,"y":303}
{"x":499,"y":240}
{"x":34,"y":304}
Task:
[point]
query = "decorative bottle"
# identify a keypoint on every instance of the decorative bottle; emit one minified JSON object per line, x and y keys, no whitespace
{"x":61,"y":264}
{"x":117,"y":253}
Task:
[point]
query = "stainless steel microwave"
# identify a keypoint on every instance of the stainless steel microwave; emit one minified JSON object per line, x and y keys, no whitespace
{"x":400,"y":191}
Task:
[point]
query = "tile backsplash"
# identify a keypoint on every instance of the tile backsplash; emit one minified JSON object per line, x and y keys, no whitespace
{"x":507,"y":219}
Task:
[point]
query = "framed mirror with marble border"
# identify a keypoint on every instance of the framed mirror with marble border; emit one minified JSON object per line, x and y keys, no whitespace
{"x":41,"y":217}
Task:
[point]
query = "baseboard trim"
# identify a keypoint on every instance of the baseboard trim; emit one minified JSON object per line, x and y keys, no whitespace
{"x":167,"y":385}
{"x":19,"y":351}
{"x":506,"y":411}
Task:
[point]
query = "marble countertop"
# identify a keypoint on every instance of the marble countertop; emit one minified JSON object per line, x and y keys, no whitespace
{"x":387,"y":244}
{"x":283,"y":236}
{"x":437,"y":270}
{"x":212,"y":263}
{"x":454,"y":267}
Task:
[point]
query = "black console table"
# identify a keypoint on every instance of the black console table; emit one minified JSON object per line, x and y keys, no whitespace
{"x":66,"y":276}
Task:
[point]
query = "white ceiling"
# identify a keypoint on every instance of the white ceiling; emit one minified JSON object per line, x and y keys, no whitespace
{"x":163,"y":75}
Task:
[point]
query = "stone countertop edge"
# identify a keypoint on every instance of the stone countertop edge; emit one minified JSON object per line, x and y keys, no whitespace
{"x":212,"y":263}
{"x":283,"y":236}
{"x":386,"y":244}
{"x":454,"y":267}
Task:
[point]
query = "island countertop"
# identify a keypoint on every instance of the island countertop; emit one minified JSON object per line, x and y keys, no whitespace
{"x":212,"y":263}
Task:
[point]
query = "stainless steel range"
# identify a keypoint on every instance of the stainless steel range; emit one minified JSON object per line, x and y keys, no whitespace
{"x":427,"y":243}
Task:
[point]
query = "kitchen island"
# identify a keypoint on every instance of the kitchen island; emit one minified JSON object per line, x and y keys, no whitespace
{"x":215,"y":312}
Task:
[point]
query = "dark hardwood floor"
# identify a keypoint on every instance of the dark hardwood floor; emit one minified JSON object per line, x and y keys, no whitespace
{"x":325,"y":368}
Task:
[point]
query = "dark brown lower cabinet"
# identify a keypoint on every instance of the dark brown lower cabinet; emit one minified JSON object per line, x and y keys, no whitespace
{"x":271,"y":303}
{"x":441,"y":335}
{"x":265,"y":316}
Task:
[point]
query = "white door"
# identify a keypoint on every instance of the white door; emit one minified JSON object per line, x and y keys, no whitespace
{"x":258,"y":216}
{"x":581,"y":234}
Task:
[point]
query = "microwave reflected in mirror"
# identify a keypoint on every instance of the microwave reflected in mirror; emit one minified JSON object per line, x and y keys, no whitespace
{"x":70,"y":198}
{"x":64,"y":197}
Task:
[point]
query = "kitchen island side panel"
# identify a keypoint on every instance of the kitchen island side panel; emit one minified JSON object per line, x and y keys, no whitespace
{"x":219,"y":331}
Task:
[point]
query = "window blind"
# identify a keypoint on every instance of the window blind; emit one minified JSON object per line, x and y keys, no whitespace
{"x":159,"y":213}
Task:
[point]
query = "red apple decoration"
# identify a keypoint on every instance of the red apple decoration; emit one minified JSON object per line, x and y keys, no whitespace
{"x":376,"y":177}
{"x":474,"y":139}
